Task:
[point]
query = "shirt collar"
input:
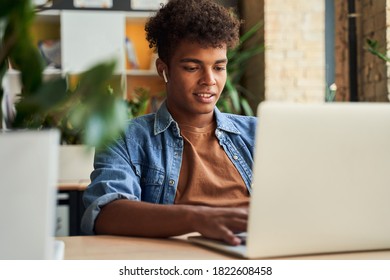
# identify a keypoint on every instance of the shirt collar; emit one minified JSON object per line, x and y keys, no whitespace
{"x":224,"y":122}
{"x":163,"y":119}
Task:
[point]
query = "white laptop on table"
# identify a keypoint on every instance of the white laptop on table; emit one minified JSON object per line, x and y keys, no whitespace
{"x":28,"y":186}
{"x":321,"y":181}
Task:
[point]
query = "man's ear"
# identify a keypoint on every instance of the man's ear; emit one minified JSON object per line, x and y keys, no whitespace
{"x":162,"y":69}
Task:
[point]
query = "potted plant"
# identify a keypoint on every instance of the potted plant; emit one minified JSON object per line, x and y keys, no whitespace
{"x":234,"y":96}
{"x":90,"y":112}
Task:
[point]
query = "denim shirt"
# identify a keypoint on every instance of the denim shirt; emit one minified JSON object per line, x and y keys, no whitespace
{"x":144,"y":164}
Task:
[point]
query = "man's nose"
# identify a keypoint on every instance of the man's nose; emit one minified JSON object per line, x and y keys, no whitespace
{"x":208,"y":77}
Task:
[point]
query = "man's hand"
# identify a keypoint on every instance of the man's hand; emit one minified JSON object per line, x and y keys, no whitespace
{"x":221,"y":223}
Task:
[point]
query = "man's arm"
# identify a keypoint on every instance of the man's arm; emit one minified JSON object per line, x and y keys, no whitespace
{"x":135,"y":218}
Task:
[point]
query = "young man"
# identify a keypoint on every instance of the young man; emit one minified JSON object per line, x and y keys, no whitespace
{"x":186,"y":168}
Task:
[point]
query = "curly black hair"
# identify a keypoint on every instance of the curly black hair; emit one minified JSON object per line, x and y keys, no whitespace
{"x":201,"y":21}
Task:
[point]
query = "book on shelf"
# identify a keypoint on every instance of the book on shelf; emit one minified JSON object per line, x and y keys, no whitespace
{"x":131,"y":53}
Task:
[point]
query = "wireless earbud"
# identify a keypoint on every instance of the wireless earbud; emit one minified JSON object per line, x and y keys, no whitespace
{"x":165,"y":76}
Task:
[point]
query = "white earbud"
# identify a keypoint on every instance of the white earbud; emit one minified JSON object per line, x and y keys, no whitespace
{"x":165,"y":76}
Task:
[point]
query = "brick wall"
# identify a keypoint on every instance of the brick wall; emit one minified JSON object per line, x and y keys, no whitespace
{"x":294,"y":61}
{"x":295,"y":50}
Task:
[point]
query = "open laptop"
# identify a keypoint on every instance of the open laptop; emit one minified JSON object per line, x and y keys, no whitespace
{"x":28,"y":185}
{"x":321,"y":181}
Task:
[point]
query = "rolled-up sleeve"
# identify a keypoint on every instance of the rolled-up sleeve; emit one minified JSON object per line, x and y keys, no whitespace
{"x":91,"y":213}
{"x":113,"y":178}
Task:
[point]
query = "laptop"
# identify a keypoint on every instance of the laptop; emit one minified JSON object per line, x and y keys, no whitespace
{"x":28,"y":176}
{"x":321,"y":181}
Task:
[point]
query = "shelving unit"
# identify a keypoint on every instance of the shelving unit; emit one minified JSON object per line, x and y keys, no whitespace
{"x":92,"y":36}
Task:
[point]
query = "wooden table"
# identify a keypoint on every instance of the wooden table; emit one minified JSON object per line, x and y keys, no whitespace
{"x":117,"y":248}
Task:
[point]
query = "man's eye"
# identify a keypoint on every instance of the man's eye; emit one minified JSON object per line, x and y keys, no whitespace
{"x":190,"y":69}
{"x":220,"y":68}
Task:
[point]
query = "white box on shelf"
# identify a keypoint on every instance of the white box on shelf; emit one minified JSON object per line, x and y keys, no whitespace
{"x":90,"y":37}
{"x":92,"y":3}
{"x":146,"y":4}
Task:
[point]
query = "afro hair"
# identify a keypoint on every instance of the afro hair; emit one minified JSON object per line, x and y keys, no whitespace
{"x":201,"y":21}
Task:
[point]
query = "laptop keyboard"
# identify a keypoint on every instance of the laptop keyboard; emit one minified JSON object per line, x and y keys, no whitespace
{"x":243,"y":240}
{"x":242,"y":236}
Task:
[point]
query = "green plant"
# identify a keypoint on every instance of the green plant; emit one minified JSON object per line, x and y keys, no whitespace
{"x":138,"y":105}
{"x":330,"y":93}
{"x":372,"y":47}
{"x":234,"y":96}
{"x":93,"y":112}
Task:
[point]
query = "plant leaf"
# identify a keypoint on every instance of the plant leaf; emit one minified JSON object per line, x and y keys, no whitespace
{"x":246,"y":107}
{"x":233,"y":94}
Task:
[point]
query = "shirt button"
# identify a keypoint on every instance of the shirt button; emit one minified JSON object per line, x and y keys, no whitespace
{"x":235,"y":157}
{"x":171,"y":182}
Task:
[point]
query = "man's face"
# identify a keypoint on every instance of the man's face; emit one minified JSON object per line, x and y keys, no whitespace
{"x":196,"y":78}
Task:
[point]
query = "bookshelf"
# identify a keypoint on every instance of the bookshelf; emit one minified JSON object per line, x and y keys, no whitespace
{"x":89,"y":36}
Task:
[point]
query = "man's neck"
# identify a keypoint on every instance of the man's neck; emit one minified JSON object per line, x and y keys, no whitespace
{"x":199,"y":121}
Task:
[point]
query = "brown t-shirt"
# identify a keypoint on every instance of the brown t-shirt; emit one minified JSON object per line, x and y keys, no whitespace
{"x":207,"y":176}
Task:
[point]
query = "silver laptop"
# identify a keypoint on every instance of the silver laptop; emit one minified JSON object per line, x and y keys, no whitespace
{"x":28,"y":184}
{"x":321,"y":181}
